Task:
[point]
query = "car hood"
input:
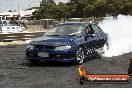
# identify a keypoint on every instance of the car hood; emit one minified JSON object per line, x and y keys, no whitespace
{"x":52,"y":40}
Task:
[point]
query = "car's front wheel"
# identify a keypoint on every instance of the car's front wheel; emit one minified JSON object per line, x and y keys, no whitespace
{"x":80,"y":55}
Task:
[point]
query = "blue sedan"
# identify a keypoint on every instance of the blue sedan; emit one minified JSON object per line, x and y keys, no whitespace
{"x":67,"y":42}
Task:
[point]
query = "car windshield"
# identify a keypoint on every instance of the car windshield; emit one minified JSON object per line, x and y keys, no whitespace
{"x":65,"y":30}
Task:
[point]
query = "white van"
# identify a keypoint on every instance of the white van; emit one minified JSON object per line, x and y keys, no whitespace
{"x":6,"y":27}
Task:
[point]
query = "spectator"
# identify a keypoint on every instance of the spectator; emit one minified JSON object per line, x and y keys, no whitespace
{"x":22,"y":22}
{"x":3,"y":17}
{"x":13,"y":20}
{"x":18,"y":19}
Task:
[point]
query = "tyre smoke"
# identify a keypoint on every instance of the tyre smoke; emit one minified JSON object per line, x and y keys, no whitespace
{"x":120,"y":35}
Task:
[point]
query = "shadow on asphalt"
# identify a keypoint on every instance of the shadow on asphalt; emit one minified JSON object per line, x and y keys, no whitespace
{"x":47,"y":64}
{"x":53,"y":63}
{"x":56,"y":63}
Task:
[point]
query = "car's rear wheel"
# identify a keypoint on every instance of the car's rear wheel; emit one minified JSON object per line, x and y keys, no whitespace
{"x":80,"y":55}
{"x":102,"y":50}
{"x":105,"y":47}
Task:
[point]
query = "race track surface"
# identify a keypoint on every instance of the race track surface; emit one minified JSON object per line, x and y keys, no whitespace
{"x":16,"y":72}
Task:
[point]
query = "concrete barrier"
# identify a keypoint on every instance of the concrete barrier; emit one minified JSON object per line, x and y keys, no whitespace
{"x":19,"y":36}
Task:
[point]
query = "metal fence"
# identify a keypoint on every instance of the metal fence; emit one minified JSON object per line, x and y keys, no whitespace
{"x":44,"y":24}
{"x":38,"y":25}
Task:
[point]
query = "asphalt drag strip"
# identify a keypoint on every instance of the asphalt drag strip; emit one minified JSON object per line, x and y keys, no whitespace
{"x":16,"y":72}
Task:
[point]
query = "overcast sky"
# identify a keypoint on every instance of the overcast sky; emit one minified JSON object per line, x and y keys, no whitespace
{"x":6,"y":5}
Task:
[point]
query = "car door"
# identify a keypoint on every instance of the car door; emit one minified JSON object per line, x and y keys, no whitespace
{"x":90,"y":38}
{"x":101,"y":37}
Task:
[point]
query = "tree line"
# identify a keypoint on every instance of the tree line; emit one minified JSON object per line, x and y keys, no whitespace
{"x":82,"y":9}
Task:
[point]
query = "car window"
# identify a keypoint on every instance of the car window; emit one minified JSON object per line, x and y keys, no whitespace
{"x":91,"y":29}
{"x":97,"y":29}
{"x":66,"y":29}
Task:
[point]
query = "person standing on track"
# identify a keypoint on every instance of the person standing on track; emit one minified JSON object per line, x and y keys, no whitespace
{"x":20,"y":21}
{"x":13,"y":20}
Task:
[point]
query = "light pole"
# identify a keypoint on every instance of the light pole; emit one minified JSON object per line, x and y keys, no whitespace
{"x":29,"y":6}
{"x":18,"y":8}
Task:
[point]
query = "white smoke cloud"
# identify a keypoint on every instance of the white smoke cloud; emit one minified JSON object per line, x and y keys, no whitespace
{"x":120,"y":35}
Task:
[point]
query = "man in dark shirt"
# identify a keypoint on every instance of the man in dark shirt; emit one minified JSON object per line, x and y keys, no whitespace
{"x":13,"y":20}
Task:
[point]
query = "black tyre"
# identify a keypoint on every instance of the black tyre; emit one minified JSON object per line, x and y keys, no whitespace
{"x":102,"y":50}
{"x":105,"y":47}
{"x":80,"y":55}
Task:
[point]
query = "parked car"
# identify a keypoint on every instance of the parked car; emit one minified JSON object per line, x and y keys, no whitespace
{"x":7,"y":27}
{"x":67,"y":42}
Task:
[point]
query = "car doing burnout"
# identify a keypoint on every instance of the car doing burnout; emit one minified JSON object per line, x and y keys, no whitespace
{"x":67,"y":42}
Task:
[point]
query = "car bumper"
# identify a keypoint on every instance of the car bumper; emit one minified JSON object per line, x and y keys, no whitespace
{"x":61,"y":56}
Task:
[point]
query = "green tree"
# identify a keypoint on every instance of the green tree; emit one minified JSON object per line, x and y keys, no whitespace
{"x":46,"y":10}
{"x":62,"y":11}
{"x":82,"y":8}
